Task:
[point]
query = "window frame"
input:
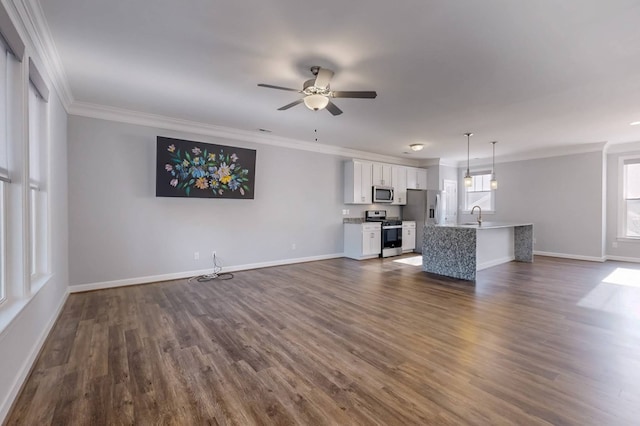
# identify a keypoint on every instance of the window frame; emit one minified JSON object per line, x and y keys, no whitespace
{"x":4,"y":173}
{"x":38,"y":213}
{"x":622,"y":201}
{"x":467,"y":209}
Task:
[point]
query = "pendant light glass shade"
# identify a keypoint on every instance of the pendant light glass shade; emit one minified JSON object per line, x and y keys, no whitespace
{"x":494,"y":181}
{"x":468,"y":180}
{"x":316,"y":102}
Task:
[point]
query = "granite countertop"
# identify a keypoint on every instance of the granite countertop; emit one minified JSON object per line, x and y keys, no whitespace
{"x":357,"y":220}
{"x":485,"y":225}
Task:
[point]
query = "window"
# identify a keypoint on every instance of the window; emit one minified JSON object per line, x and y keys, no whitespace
{"x":630,"y":207}
{"x":4,"y":164}
{"x":38,"y":208}
{"x":480,"y":192}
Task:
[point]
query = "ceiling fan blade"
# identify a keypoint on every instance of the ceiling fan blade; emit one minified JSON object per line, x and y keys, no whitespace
{"x":292,"y":104}
{"x":333,"y":109}
{"x":323,"y":78}
{"x":362,"y":95}
{"x":278,"y":87}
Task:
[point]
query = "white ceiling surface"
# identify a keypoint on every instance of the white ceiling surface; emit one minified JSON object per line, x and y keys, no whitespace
{"x":532,"y":75}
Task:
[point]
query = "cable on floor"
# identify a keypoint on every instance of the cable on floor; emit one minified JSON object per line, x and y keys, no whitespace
{"x":217,"y":274}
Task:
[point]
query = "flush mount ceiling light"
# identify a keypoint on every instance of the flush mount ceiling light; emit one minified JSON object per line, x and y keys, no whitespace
{"x":316,"y":102}
{"x":468,"y":181}
{"x":416,"y":147}
{"x":635,"y":123}
{"x":494,"y":181}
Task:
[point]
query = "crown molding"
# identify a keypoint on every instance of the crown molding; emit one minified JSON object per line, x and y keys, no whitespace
{"x":41,"y":43}
{"x":539,"y":154}
{"x":619,"y":148}
{"x":120,"y":115}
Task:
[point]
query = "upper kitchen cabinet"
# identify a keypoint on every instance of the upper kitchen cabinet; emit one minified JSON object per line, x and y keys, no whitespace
{"x":357,"y":182}
{"x":399,"y":179}
{"x":382,"y":174}
{"x":416,"y":178}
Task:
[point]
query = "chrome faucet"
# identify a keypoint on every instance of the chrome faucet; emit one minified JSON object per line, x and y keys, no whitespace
{"x":479,"y":214}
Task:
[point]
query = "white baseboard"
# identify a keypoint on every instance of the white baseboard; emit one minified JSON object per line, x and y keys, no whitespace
{"x":188,"y":274}
{"x":570,"y":256}
{"x":29,"y":361}
{"x":624,"y":259}
{"x":495,"y":262}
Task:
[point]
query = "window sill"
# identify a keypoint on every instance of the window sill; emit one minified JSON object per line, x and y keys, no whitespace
{"x":483,"y":212}
{"x":37,"y":282}
{"x":10,"y":309}
{"x":629,"y":239}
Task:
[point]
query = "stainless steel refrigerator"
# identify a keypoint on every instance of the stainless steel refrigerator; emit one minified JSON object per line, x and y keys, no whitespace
{"x":425,"y":207}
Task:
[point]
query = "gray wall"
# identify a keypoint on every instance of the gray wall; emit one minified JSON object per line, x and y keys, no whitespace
{"x":626,"y":249}
{"x":120,"y":230}
{"x":561,"y":196}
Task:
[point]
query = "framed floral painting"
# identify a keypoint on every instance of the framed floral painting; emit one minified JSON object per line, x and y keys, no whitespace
{"x":204,"y":170}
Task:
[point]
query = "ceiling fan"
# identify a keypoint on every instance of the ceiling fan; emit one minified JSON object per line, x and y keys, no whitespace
{"x":318,"y":94}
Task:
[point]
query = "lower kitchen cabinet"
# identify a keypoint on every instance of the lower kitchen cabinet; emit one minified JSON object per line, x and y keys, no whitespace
{"x":408,"y":236}
{"x":362,"y":240}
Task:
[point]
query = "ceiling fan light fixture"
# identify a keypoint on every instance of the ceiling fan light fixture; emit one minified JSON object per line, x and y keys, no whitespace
{"x":416,"y":147}
{"x":316,"y":102}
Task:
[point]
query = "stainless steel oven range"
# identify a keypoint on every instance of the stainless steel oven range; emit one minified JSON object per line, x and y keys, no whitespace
{"x":391,"y":232}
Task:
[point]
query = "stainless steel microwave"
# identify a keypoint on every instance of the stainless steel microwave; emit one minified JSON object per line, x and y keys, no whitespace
{"x":382,"y":194}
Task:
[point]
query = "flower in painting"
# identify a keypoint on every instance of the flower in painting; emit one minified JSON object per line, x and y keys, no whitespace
{"x":171,"y":148}
{"x":225,"y":180}
{"x":197,"y":172}
{"x":215,"y":184}
{"x":224,"y":170}
{"x":196,"y":151}
{"x":174,"y":182}
{"x":202,"y":183}
{"x":185,"y":163}
{"x":168,"y":167}
{"x":212,"y":157}
{"x":234,"y":157}
{"x":234,"y":184}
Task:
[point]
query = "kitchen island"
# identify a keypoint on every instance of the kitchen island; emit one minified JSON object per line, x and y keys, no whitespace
{"x":459,"y":251}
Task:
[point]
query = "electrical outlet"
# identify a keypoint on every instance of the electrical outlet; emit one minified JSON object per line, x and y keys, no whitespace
{"x":196,"y":255}
{"x":293,"y":246}
{"x":614,"y":245}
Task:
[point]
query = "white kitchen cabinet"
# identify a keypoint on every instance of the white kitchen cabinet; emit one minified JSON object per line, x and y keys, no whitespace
{"x":399,"y":179}
{"x":362,"y":240}
{"x":416,"y":178}
{"x":382,"y":174}
{"x":408,"y":236}
{"x":357,"y":182}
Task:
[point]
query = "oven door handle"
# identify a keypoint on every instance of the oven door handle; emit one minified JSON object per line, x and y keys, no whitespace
{"x":392,"y":227}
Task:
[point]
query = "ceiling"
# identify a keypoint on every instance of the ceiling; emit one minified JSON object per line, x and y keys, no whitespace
{"x":532,"y":75}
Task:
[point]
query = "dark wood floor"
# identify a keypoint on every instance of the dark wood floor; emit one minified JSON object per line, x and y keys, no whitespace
{"x":346,"y":342}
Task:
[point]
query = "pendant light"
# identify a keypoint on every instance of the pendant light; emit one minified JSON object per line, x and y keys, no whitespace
{"x":494,"y":181}
{"x":468,"y":181}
